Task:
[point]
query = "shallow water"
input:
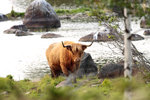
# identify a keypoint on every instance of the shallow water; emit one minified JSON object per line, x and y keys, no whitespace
{"x":18,"y":54}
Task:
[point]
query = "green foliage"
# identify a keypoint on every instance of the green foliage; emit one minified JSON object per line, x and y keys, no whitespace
{"x":9,"y":77}
{"x":6,"y":84}
{"x":87,"y":88}
{"x":14,"y":14}
{"x":53,"y":93}
{"x":71,"y":11}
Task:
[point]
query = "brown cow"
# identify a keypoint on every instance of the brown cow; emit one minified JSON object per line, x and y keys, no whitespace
{"x":64,"y":57}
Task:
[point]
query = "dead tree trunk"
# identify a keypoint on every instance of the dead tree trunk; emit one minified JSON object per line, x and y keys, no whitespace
{"x":127,"y":44}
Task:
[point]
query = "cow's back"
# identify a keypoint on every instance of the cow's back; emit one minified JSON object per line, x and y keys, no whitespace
{"x":52,"y":54}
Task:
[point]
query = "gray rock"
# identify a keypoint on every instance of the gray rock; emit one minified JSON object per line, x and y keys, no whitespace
{"x":87,"y":66}
{"x":135,"y":37}
{"x":10,"y":31}
{"x":50,"y":35}
{"x":20,"y":27}
{"x":40,"y":14}
{"x":22,"y":33}
{"x":146,"y":32}
{"x":100,"y":37}
{"x":113,"y":70}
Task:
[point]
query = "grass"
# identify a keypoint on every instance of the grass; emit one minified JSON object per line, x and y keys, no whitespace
{"x":71,"y":11}
{"x":14,"y":14}
{"x":87,"y":88}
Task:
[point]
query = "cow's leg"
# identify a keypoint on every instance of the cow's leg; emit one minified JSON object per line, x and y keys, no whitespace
{"x":53,"y":72}
{"x":64,"y":69}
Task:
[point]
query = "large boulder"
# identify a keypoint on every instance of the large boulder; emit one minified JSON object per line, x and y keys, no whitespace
{"x":113,"y":70}
{"x":40,"y":14}
{"x":87,"y":66}
{"x":3,"y":17}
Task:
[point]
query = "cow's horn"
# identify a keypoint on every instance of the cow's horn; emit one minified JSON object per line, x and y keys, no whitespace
{"x":90,"y":44}
{"x":63,"y":44}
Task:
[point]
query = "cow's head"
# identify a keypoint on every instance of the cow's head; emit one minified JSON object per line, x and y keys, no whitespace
{"x":77,"y":50}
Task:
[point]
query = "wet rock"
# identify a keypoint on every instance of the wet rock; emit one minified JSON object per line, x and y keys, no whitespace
{"x":22,"y":33}
{"x":40,"y":14}
{"x":3,"y":17}
{"x":50,"y":35}
{"x":17,"y":32}
{"x":146,"y":32}
{"x":20,"y":27}
{"x":87,"y":66}
{"x":103,"y":35}
{"x":100,"y":37}
{"x":10,"y":31}
{"x":135,"y":37}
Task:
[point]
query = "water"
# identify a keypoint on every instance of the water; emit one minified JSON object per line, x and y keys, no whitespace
{"x":20,"y":54}
{"x":21,"y":5}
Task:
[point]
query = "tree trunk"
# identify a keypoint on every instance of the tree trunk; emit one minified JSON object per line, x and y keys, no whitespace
{"x":127,"y":53}
{"x":127,"y":44}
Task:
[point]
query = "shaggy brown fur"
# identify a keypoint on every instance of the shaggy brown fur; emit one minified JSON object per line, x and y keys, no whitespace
{"x":64,"y":57}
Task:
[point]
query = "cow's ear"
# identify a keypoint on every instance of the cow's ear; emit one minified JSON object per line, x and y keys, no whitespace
{"x":84,"y":47}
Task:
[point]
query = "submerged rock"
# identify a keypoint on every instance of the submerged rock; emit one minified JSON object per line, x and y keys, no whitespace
{"x":10,"y":31}
{"x":18,"y":30}
{"x":40,"y":14}
{"x":50,"y":35}
{"x":20,"y":27}
{"x":22,"y":33}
